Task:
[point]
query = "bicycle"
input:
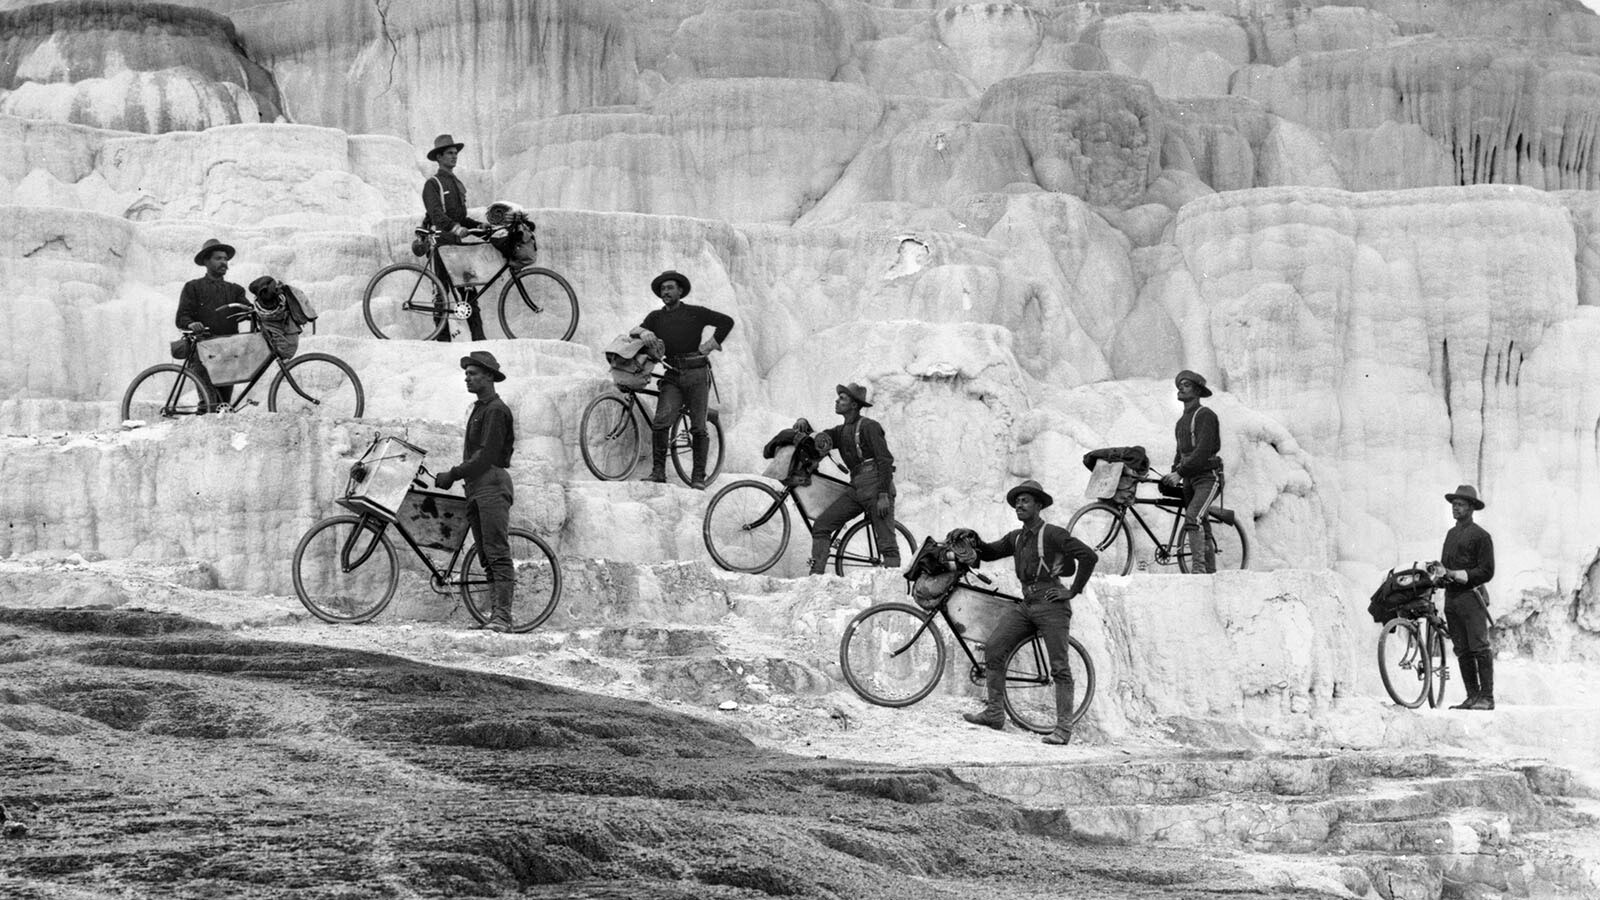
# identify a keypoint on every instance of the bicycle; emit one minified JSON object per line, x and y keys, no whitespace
{"x":319,"y":383}
{"x":746,"y":524}
{"x":345,"y":567}
{"x":892,"y":655}
{"x":611,"y":435}
{"x":408,"y":301}
{"x":1411,"y":654}
{"x":1103,"y":525}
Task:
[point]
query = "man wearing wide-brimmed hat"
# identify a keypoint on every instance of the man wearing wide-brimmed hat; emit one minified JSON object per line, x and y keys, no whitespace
{"x":445,"y":199}
{"x":861,"y":442}
{"x":1468,"y":559}
{"x":1044,"y":554}
{"x":486,"y":455}
{"x":202,"y":305}
{"x":681,"y":328}
{"x":1197,"y":469}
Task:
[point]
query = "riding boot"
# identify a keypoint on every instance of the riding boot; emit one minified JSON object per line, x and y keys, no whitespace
{"x":701,"y":446}
{"x":992,"y":716}
{"x":819,"y":554}
{"x":501,"y":596}
{"x":1469,"y":679}
{"x":1064,"y":707}
{"x":1485,"y":663}
{"x":658,"y":456}
{"x":1194,"y":545}
{"x":1208,"y":551}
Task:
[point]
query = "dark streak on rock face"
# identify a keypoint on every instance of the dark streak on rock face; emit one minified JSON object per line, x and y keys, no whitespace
{"x":159,"y":756}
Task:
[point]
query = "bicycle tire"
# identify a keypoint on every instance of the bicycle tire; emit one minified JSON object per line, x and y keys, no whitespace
{"x":681,"y":443}
{"x":405,"y":302}
{"x":328,"y":591}
{"x":324,"y":385}
{"x":609,"y":437}
{"x":1030,"y":695}
{"x":881,"y":663}
{"x":538,"y":573}
{"x":148,"y":394}
{"x":847,"y":555}
{"x":1402,"y":661}
{"x":538,"y":303}
{"x":1439,"y":665}
{"x":1228,"y":542}
{"x":1103,"y":528}
{"x":746,"y":527}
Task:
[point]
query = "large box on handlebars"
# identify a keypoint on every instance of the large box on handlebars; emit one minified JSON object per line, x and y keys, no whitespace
{"x":233,"y":358}
{"x":380,"y":479}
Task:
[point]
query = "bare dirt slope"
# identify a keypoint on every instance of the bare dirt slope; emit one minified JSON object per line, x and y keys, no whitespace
{"x":154,"y":755}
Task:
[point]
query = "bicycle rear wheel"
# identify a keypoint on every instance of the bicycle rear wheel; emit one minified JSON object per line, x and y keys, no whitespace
{"x":317,"y":384}
{"x":405,"y":302}
{"x":1405,"y":667}
{"x":891,"y":654}
{"x":858,"y":548}
{"x":166,"y":391}
{"x":1101,"y":526}
{"x":1030,"y":697}
{"x":538,"y":303}
{"x":682,"y":444}
{"x":609,"y":437}
{"x":538,"y":575}
{"x":746,"y":527}
{"x":1227,"y":542}
{"x":1438,"y":663}
{"x":345,"y":569}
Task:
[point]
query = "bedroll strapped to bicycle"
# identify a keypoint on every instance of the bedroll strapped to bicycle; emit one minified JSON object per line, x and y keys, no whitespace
{"x":633,"y":357}
{"x":1404,"y":593}
{"x":938,"y":565}
{"x":1117,"y":471}
{"x":794,"y":455}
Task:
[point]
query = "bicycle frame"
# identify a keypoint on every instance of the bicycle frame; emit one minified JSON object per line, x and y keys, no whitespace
{"x":193,"y":368}
{"x":788,"y":493}
{"x":438,"y":579}
{"x":979,"y":670}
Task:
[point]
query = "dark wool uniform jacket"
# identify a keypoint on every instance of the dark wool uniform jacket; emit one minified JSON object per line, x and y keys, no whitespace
{"x":203,"y":300}
{"x":861,"y":442}
{"x":1063,"y":554}
{"x":680,"y":327}
{"x":449,"y":209}
{"x":1199,"y":442}
{"x":488,"y":442}
{"x":1469,"y":548}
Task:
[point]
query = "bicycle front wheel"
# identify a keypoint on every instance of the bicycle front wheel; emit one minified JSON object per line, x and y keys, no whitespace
{"x":405,"y":302}
{"x":166,"y":391}
{"x":609,"y":437}
{"x":345,"y":569}
{"x":1030,"y":697}
{"x":682,"y":444}
{"x":538,"y":303}
{"x":1405,"y":667}
{"x":1101,"y":526}
{"x":317,"y":384}
{"x":891,"y":654}
{"x":858,"y":548}
{"x":1227,"y":542}
{"x":746,"y":527}
{"x":538,"y":582}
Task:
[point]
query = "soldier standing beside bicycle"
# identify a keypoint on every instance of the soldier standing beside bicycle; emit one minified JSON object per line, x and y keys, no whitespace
{"x":1196,"y":469}
{"x":202,"y":306}
{"x":1468,"y":559}
{"x":486,"y":454}
{"x":1044,"y":553}
{"x":680,"y":327}
{"x":866,"y":454}
{"x":444,"y":198}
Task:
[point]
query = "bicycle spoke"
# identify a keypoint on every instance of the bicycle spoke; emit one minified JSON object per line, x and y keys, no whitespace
{"x":890,"y":656}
